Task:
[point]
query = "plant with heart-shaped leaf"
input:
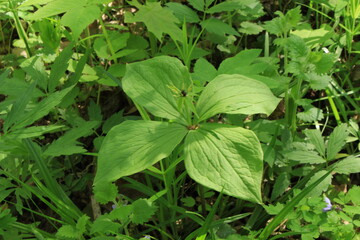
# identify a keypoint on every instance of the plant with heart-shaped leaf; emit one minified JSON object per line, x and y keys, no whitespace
{"x":219,"y":156}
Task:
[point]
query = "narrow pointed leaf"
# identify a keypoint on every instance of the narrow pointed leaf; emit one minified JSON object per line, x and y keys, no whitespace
{"x":152,"y":84}
{"x":134,"y":146}
{"x":235,"y":94}
{"x":225,"y":158}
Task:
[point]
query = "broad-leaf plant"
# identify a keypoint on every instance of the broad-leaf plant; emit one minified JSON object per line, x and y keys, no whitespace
{"x":222,"y":157}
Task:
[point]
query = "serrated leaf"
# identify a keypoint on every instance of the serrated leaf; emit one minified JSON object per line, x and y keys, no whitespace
{"x":311,"y":114}
{"x":94,"y":112}
{"x":348,"y":165}
{"x":18,"y":107}
{"x":81,"y":224}
{"x":236,"y":64}
{"x":225,"y":158}
{"x":77,"y":19}
{"x":337,"y":141}
{"x":42,"y":108}
{"x":216,"y":26}
{"x":282,"y":182}
{"x":322,"y":186}
{"x":250,"y":28}
{"x":55,"y":7}
{"x":104,"y":225}
{"x":303,"y":157}
{"x":150,"y":83}
{"x":67,"y":144}
{"x":35,"y":68}
{"x":157,"y":19}
{"x":317,"y":82}
{"x":183,"y":12}
{"x":67,"y":231}
{"x":197,"y":4}
{"x":59,"y":67}
{"x":134,"y":146}
{"x":313,"y":37}
{"x":316,"y":139}
{"x":235,"y":94}
{"x":143,"y":209}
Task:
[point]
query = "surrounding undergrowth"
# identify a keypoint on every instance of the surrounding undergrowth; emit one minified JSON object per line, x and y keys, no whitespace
{"x":179,"y":120}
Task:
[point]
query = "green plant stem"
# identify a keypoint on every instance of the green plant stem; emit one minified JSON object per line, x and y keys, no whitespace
{"x":333,"y":107}
{"x":20,"y":29}
{"x":203,"y":202}
{"x":107,"y":38}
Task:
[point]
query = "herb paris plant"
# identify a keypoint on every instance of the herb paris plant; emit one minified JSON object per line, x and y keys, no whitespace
{"x":219,"y":156}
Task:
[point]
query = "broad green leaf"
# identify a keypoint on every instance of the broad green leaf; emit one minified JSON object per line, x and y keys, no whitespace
{"x":183,"y":12}
{"x":235,"y":94}
{"x":236,"y":64}
{"x":216,"y":26}
{"x":134,"y":146}
{"x":225,"y":158}
{"x":336,"y":142}
{"x":79,"y":18}
{"x":348,"y":165}
{"x":316,"y":139}
{"x":250,"y":28}
{"x":59,"y":67}
{"x":55,"y":7}
{"x":225,"y":6}
{"x":313,"y":37}
{"x":157,"y":19}
{"x":34,"y":2}
{"x":203,"y":71}
{"x":282,"y":182}
{"x":154,"y":84}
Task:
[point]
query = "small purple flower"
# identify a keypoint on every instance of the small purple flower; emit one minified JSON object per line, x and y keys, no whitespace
{"x":328,"y":206}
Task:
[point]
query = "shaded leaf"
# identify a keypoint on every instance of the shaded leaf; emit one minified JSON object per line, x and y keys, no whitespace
{"x":152,"y":84}
{"x":348,"y":165}
{"x":149,"y":142}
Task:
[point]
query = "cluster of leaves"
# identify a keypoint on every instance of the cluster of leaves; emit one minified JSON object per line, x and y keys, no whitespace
{"x":207,"y":149}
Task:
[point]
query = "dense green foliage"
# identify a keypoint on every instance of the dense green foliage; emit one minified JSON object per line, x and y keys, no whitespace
{"x":199,"y":119}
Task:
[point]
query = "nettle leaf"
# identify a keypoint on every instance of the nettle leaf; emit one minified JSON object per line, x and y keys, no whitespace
{"x":311,"y":114}
{"x":142,"y":211}
{"x":227,"y":159}
{"x":122,"y":156}
{"x":337,"y":141}
{"x":155,"y":84}
{"x":235,"y":94}
{"x":317,"y":82}
{"x":157,"y":19}
{"x":283,"y":23}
